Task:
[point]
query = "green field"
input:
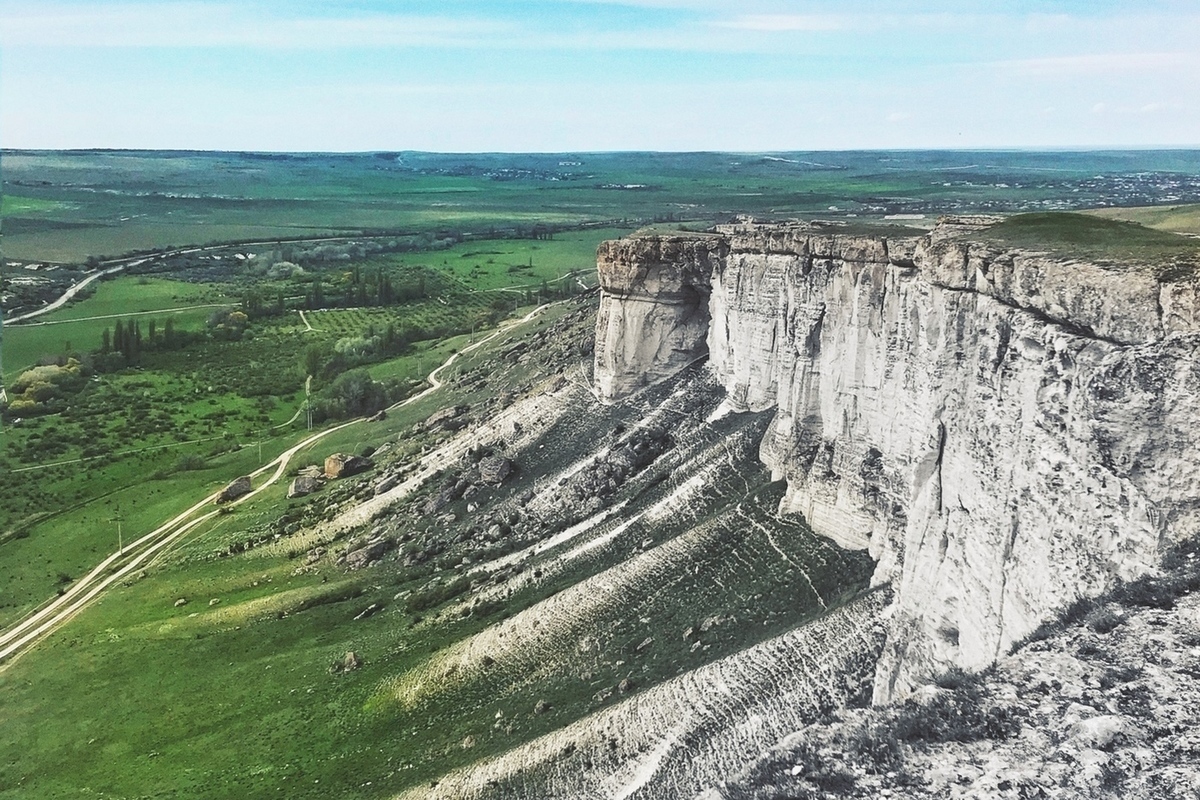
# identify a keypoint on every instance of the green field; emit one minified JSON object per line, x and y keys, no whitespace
{"x":1106,"y":240}
{"x":78,"y":326}
{"x":14,"y":205}
{"x":1179,"y":219}
{"x":518,"y":263}
{"x":161,"y":199}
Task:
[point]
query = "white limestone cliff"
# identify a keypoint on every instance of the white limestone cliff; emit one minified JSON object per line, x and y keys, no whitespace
{"x":653,"y":315}
{"x":1005,"y":431}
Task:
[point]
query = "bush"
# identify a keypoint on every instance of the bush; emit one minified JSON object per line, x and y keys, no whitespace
{"x":1104,"y":619}
{"x":190,"y":463}
{"x":436,"y":595}
{"x":1150,"y":592}
{"x":957,"y":714}
{"x":352,"y":394}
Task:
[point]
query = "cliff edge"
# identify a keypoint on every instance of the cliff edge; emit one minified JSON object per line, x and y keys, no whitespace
{"x":1006,"y":431}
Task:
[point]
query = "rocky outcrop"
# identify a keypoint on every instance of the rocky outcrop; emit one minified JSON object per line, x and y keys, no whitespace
{"x":653,"y":316}
{"x":1102,"y":706}
{"x":239,"y":487}
{"x":340,"y":465}
{"x":494,"y":469}
{"x":1005,"y":431}
{"x":303,"y":485}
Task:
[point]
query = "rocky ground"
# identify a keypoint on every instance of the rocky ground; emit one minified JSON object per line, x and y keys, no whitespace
{"x":1104,"y":703}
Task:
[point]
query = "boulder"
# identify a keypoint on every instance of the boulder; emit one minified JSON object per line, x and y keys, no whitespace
{"x":494,"y":469}
{"x":387,"y":483}
{"x":451,"y":490}
{"x":378,"y":416}
{"x":238,"y":488}
{"x":348,"y":663}
{"x":368,"y":553}
{"x":341,"y":465}
{"x":369,"y":611}
{"x":304,"y":485}
{"x":447,"y":418}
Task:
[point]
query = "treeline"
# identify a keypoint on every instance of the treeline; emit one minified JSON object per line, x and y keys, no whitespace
{"x":326,"y":361}
{"x":366,"y":288}
{"x":123,"y":345}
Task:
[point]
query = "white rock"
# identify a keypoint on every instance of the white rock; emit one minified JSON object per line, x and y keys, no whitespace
{"x":1099,"y":732}
{"x":1006,"y":433}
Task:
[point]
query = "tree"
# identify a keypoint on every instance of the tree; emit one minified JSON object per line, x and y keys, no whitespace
{"x":314,"y":359}
{"x":120,"y":343}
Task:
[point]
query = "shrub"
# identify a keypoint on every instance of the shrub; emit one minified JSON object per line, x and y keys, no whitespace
{"x":1150,"y":592}
{"x":190,"y":463}
{"x":957,"y":714}
{"x":1104,"y":619}
{"x":434,"y":596}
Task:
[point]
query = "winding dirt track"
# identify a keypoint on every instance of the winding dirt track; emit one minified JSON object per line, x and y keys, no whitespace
{"x":21,"y":637}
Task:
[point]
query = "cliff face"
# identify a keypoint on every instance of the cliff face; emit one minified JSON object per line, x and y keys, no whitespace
{"x":653,"y":316}
{"x":1005,"y":432}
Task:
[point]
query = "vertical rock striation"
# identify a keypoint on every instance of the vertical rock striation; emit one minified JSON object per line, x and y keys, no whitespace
{"x":653,"y":316}
{"x":1006,"y":432}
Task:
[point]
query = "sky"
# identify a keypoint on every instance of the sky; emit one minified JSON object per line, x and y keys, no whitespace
{"x":592,"y":75}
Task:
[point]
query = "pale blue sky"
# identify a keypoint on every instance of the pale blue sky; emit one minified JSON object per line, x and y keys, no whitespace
{"x":560,"y":75}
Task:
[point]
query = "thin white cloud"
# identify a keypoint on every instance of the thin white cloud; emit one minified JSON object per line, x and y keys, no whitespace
{"x":1103,"y":64}
{"x":201,"y":25}
{"x":778,"y":23}
{"x":227,"y":25}
{"x":1138,"y":110}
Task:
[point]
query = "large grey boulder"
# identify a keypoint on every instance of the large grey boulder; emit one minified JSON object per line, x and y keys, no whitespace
{"x":495,"y":469}
{"x":304,"y":485}
{"x":238,"y":488}
{"x":340,"y":465}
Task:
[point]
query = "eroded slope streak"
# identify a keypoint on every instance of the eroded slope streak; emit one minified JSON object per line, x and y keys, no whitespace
{"x":639,"y":619}
{"x":692,"y":731}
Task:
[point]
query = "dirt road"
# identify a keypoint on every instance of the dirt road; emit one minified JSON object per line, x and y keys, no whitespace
{"x":17,"y":640}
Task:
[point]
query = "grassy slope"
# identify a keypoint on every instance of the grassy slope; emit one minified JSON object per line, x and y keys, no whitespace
{"x":235,"y":699}
{"x":1178,"y":219}
{"x":1086,"y":236}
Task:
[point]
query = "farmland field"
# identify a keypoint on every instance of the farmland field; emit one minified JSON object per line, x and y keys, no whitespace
{"x":70,"y":205}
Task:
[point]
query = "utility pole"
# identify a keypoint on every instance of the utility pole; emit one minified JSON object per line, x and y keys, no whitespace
{"x":120,"y":539}
{"x":307,"y":404}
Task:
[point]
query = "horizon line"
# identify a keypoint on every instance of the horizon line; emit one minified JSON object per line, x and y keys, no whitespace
{"x":380,"y":151}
